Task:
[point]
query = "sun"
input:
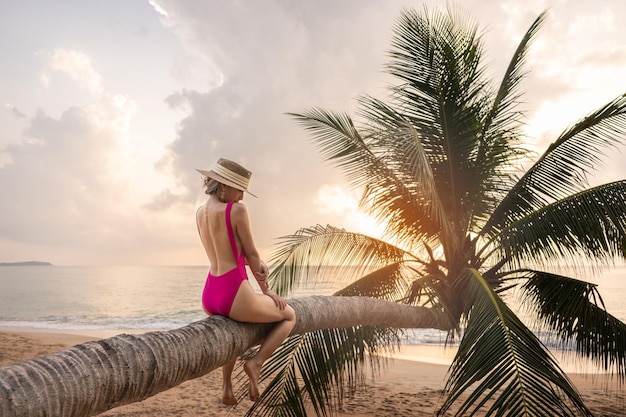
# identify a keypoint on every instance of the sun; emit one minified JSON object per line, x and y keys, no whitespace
{"x":341,"y":207}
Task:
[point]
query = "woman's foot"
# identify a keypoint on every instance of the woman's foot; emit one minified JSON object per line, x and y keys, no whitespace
{"x":253,"y":370}
{"x":228,"y":398}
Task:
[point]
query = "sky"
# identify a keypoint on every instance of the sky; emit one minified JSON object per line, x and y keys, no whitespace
{"x":108,"y":106}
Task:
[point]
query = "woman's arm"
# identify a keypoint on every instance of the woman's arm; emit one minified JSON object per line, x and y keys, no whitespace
{"x":241,"y":222}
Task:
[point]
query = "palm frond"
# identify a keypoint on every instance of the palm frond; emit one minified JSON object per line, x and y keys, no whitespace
{"x":590,"y":225}
{"x":579,"y":319}
{"x":563,"y":169}
{"x":329,"y":253}
{"x":499,"y":148}
{"x":438,"y":60}
{"x":503,"y":361}
{"x":388,"y":283}
{"x":322,"y":367}
{"x":339,"y":141}
{"x":503,"y":113}
{"x":423,"y":177}
{"x":402,"y":282}
{"x":471,"y":137}
{"x":390,"y":184}
{"x":405,"y":196}
{"x":283,"y":395}
{"x":428,"y":48}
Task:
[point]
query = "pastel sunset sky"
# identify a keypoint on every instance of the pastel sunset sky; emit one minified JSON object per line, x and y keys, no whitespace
{"x":108,"y":106}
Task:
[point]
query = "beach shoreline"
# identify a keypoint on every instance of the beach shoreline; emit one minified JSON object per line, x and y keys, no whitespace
{"x":406,"y":386}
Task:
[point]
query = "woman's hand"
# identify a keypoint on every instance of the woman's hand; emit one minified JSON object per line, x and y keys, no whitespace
{"x":261,"y":277}
{"x":263,"y":273}
{"x":278,"y":300}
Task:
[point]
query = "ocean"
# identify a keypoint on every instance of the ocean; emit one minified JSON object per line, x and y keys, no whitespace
{"x":126,"y":299}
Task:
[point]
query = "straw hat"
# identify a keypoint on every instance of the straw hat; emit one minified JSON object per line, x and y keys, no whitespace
{"x":229,"y":173}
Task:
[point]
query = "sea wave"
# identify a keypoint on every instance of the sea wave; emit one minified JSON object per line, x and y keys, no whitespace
{"x":410,"y":336}
{"x":100,"y":324}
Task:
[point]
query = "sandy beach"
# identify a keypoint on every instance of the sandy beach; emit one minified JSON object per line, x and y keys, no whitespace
{"x":405,"y":387}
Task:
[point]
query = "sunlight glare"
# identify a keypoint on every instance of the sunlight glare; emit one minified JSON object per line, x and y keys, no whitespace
{"x":343,"y":206}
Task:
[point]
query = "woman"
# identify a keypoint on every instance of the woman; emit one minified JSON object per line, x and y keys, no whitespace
{"x":225,"y":233}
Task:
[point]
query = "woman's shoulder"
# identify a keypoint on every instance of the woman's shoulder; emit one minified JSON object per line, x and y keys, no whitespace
{"x":239,"y":207}
{"x":239,"y":210}
{"x":200,"y":210}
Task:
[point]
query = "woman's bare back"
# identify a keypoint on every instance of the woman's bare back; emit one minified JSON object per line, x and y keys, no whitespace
{"x":211,"y":222}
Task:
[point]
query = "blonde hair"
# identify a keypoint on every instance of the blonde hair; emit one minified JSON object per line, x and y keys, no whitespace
{"x":210,"y":186}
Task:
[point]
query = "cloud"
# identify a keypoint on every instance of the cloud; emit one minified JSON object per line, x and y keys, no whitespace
{"x":158,"y":8}
{"x":62,"y":169}
{"x":77,"y":66}
{"x":70,"y":185}
{"x":15,"y":111}
{"x":163,"y":201}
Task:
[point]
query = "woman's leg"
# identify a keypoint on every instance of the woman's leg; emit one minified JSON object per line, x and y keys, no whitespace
{"x":252,"y":307}
{"x":228,"y":397}
{"x":274,"y":338}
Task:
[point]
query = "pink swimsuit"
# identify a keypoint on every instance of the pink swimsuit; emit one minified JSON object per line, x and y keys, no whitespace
{"x":220,"y":291}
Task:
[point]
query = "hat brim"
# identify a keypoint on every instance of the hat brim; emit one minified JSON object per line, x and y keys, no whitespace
{"x":217,"y":177}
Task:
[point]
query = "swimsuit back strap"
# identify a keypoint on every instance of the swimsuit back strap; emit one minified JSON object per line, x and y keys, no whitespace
{"x":231,"y":234}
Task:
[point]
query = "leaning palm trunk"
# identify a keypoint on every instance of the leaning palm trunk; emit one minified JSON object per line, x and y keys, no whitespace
{"x":93,"y":377}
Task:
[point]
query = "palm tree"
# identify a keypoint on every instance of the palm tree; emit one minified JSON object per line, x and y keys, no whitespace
{"x":93,"y":377}
{"x":466,"y":228}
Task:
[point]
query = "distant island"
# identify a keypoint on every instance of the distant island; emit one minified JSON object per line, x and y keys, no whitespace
{"x":27,"y":263}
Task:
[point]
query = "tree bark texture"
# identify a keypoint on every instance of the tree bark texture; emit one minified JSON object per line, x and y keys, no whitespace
{"x":93,"y":377}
